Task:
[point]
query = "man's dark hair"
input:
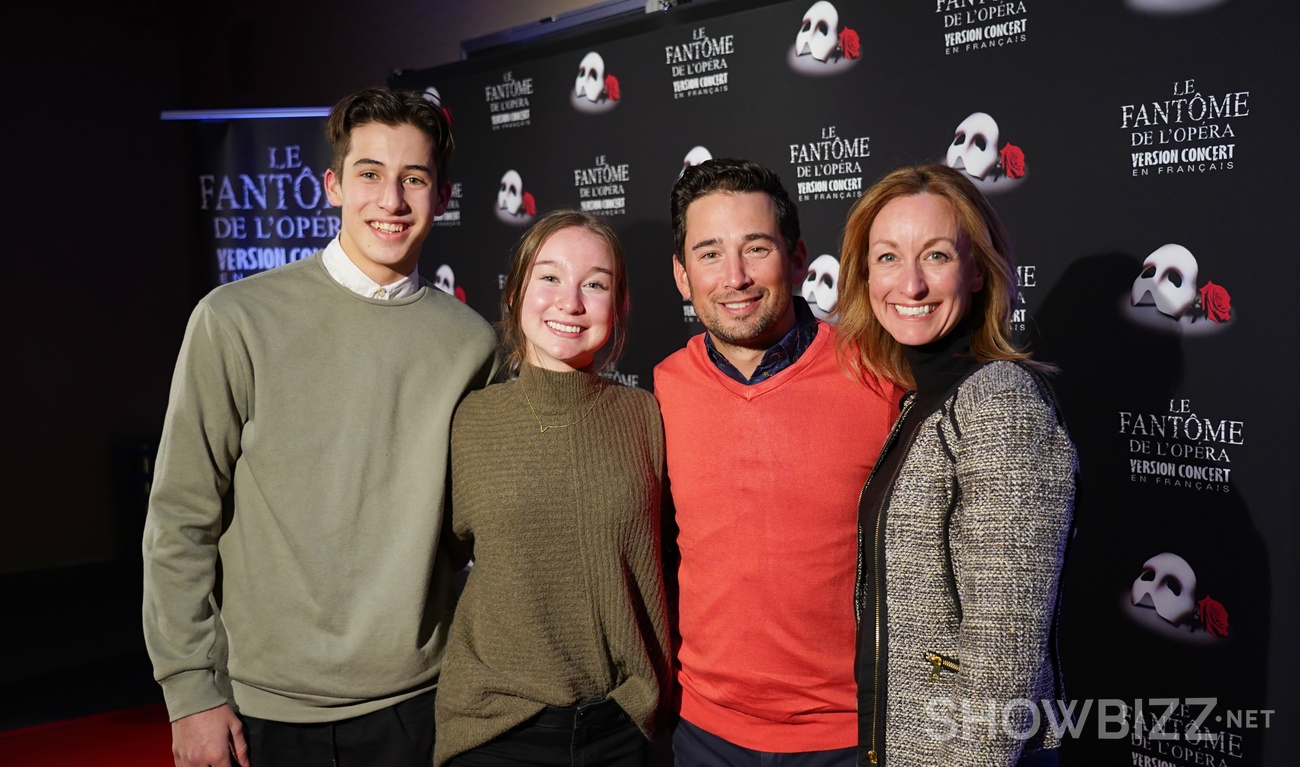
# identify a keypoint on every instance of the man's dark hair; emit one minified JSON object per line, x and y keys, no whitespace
{"x":734,"y":176}
{"x":391,"y":108}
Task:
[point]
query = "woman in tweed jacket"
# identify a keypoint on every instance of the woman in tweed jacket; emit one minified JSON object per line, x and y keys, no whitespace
{"x":963,"y":522}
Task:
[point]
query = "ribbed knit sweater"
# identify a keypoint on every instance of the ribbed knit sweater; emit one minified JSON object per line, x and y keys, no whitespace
{"x":564,"y":602}
{"x":765,"y":480}
{"x":305,"y":444}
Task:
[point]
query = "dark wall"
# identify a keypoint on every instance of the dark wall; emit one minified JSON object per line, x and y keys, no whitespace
{"x":94,"y":287}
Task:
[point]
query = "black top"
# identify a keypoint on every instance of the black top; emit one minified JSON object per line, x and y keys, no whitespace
{"x":938,"y":365}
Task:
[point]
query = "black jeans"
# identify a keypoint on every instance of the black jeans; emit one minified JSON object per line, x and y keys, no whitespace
{"x":397,"y":736}
{"x":595,"y":734}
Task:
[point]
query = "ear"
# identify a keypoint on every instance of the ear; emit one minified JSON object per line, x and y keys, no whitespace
{"x":333,"y":189}
{"x":977,"y":282}
{"x":679,"y":276}
{"x":799,"y":263}
{"x":444,"y":197}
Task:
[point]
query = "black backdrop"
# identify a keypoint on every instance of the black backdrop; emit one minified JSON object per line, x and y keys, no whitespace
{"x":1122,"y":127}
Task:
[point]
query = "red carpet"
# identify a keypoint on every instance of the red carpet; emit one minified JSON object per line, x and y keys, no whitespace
{"x":136,"y":737}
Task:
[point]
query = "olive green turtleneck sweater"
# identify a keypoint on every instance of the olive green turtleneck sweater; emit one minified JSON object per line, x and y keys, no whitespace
{"x":565,"y":600}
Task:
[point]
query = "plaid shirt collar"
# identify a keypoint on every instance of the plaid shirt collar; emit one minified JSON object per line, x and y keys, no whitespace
{"x":779,"y":357}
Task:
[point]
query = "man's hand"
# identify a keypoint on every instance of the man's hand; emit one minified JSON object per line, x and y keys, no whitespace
{"x":208,"y":738}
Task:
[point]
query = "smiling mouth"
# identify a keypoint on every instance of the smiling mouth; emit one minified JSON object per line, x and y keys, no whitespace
{"x":552,"y":324}
{"x":915,"y":311}
{"x":388,"y":228}
{"x":743,"y":303}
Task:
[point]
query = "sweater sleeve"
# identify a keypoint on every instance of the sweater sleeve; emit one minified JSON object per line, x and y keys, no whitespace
{"x":196,"y":461}
{"x":1015,"y":473}
{"x":458,"y":534}
{"x":670,"y":554}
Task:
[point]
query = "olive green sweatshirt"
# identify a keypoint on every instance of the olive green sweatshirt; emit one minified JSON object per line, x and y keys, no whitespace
{"x":300,"y":485}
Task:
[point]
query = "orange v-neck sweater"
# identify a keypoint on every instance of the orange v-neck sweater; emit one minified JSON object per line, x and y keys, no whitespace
{"x":765,"y":480}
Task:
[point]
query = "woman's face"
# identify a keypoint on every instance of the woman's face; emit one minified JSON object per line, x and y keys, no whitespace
{"x":920,"y":274}
{"x":567,"y":310}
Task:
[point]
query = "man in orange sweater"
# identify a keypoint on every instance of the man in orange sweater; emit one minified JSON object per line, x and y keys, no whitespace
{"x":769,"y":444}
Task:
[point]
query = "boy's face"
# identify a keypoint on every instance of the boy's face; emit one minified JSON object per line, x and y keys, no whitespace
{"x":388,"y":194}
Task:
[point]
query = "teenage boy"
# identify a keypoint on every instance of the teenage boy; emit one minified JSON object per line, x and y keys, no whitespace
{"x":297,"y":591}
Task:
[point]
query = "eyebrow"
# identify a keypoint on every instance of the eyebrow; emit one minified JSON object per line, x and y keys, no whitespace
{"x":926,"y":244}
{"x":712,"y":241}
{"x":368,"y":161}
{"x":556,"y":264}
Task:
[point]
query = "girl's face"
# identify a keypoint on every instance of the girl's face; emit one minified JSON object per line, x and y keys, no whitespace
{"x":567,"y":310}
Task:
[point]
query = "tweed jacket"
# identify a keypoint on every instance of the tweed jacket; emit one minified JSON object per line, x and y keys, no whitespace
{"x":967,"y":556}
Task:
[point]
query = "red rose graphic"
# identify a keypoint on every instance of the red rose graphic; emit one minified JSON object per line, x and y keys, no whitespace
{"x":447,"y":111}
{"x":1216,"y":303}
{"x":460,"y":293}
{"x":850,"y":45}
{"x":1213,"y":616}
{"x":530,"y":205}
{"x":1013,"y":161}
{"x":611,"y":87}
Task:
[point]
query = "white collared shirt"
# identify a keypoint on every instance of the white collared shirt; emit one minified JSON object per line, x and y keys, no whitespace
{"x":350,"y":276}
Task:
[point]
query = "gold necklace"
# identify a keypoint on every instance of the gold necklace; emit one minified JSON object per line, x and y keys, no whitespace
{"x":543,"y":428}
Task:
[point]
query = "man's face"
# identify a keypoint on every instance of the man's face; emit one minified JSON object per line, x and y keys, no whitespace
{"x":736,"y":270}
{"x":388,"y":194}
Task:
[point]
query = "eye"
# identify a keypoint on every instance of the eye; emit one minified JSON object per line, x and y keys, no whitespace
{"x":886,"y":258}
{"x":938,"y":255}
{"x":596,"y":285}
{"x":807,"y":25}
{"x":415,"y":181}
{"x":369,"y":174}
{"x":959,"y":139}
